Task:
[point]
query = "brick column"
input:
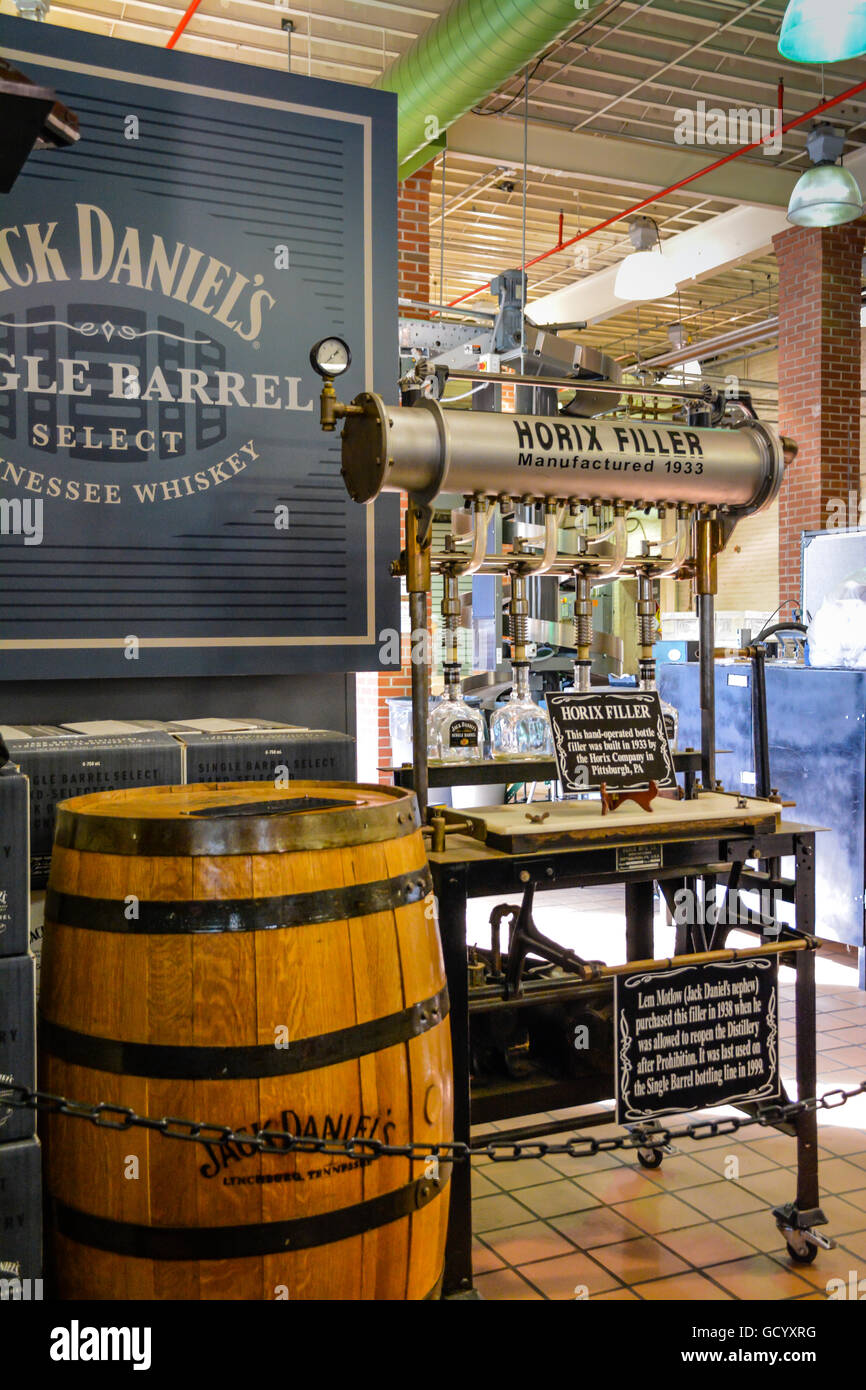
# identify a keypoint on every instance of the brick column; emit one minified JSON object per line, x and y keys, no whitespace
{"x":819,"y":384}
{"x":413,"y":236}
{"x":413,"y":270}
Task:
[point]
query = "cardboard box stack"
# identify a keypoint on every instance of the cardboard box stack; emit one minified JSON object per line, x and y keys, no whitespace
{"x":60,"y":762}
{"x":66,"y":760}
{"x":20,"y":1183}
{"x":41,"y":765}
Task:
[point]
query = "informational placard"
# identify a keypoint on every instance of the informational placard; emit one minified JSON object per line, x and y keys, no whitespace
{"x":632,"y":857}
{"x":696,"y":1036}
{"x":171,"y":504}
{"x":615,"y":737}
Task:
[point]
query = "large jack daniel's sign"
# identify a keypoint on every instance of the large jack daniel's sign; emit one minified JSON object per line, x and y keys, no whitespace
{"x":160,"y":284}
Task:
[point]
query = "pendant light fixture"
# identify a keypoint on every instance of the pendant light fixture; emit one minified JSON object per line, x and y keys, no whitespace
{"x":823,"y":31}
{"x":828,"y":194}
{"x":681,"y":372}
{"x":644,"y":274}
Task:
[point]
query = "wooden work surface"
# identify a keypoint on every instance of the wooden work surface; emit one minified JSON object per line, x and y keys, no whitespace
{"x":569,"y":824}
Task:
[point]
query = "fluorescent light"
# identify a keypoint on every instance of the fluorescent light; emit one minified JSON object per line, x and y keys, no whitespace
{"x":688,"y":371}
{"x":823,"y":31}
{"x":644,"y":275}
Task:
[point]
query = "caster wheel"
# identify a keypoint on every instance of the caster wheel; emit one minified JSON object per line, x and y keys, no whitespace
{"x":650,"y":1158}
{"x":803,"y":1257}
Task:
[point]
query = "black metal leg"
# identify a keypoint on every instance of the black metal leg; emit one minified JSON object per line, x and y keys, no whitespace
{"x":669,"y":888}
{"x":707,"y":633}
{"x":688,"y":931}
{"x":807,"y":1065}
{"x":639,"y":920}
{"x":450,"y":886}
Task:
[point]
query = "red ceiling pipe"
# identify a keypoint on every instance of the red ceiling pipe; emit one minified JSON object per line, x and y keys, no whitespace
{"x":672,"y":188}
{"x":190,"y":11}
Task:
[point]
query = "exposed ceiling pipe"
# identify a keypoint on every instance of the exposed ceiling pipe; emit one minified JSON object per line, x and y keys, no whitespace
{"x":710,"y":347}
{"x":674,"y":187}
{"x":468,"y":52}
{"x":190,"y":11}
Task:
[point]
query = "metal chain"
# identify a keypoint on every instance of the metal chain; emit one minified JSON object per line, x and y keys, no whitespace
{"x":277,"y":1141}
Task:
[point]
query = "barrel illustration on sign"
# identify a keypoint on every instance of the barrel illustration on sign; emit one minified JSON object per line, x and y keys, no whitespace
{"x":159,"y":287}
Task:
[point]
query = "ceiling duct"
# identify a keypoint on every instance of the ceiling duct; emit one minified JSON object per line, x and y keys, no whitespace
{"x":467,"y":53}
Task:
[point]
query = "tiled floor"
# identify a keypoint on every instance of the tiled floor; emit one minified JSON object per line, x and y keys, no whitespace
{"x":699,"y":1227}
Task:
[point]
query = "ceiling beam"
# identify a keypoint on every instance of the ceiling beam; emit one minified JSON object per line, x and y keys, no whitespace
{"x":631,"y":163}
{"x":705,"y":250}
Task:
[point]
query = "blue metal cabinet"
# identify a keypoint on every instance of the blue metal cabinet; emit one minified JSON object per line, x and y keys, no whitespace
{"x":680,"y":685}
{"x":817,"y":734}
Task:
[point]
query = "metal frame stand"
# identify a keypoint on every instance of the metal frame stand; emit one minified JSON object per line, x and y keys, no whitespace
{"x":467,"y":870}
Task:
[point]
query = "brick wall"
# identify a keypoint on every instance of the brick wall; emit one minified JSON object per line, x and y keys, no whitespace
{"x":749,"y":566}
{"x":819,"y":381}
{"x":862,"y":427}
{"x":413,"y":236}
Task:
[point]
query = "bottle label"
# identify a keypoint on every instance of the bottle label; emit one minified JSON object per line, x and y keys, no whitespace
{"x":463,"y":734}
{"x":670,"y":726}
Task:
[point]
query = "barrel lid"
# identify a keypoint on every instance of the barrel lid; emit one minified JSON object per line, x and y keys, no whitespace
{"x":216,"y":818}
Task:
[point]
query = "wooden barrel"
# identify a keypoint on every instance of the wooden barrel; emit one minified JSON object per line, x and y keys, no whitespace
{"x":249,"y":957}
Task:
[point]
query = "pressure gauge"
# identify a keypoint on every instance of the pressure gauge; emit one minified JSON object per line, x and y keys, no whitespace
{"x":330,"y":357}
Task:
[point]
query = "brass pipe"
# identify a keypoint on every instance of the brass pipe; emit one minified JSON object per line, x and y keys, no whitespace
{"x":417,"y":570}
{"x":418,"y":552}
{"x":706,"y":574}
{"x":331,"y":410}
{"x":771,"y":948}
{"x":439,"y":828}
{"x":593,"y":973}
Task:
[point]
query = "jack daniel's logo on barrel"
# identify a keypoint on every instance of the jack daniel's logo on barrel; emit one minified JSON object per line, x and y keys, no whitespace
{"x":340,"y":1128}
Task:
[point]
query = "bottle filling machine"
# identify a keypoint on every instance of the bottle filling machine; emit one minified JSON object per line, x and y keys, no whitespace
{"x":515,"y":1004}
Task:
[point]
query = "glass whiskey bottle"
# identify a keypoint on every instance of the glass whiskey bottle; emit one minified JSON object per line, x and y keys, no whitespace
{"x":520,"y":728}
{"x":455,"y":731}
